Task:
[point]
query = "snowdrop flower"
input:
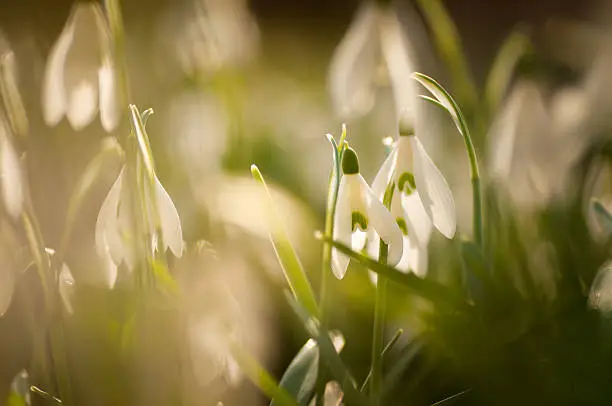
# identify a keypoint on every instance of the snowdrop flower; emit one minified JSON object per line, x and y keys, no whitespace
{"x":374,"y":38}
{"x":424,"y":197}
{"x":80,"y":75}
{"x":359,"y":210}
{"x":333,"y":395}
{"x":66,"y":287}
{"x":11,"y":174}
{"x":114,"y":226}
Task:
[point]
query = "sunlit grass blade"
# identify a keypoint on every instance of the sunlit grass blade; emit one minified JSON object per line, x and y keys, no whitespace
{"x":292,"y":267}
{"x":427,"y":289}
{"x":449,"y":45}
{"x":45,"y":395}
{"x":401,"y":364}
{"x":445,"y":100}
{"x":261,"y":377}
{"x":502,"y":70}
{"x":385,"y":351}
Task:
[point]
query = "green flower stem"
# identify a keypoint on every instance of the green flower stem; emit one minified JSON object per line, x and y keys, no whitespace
{"x":378,"y":330}
{"x":115,"y":22}
{"x":326,"y":274}
{"x":380,"y":310}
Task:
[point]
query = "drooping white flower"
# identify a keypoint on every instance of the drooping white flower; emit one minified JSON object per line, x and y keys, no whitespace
{"x":66,"y":287}
{"x":425,"y":196}
{"x":115,"y":230}
{"x":374,"y":38}
{"x":358,"y":210}
{"x":11,"y":174}
{"x":80,"y":76}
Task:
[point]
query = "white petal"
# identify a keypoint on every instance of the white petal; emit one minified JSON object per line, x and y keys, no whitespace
{"x":170,"y":220}
{"x":342,"y":229}
{"x":132,"y":245}
{"x":7,"y":287}
{"x":435,"y":194}
{"x":385,"y":225}
{"x":53,"y":91}
{"x":109,"y":103}
{"x":417,"y":220}
{"x":399,"y":65}
{"x":83,"y":60}
{"x":82,"y":96}
{"x":414,"y":259}
{"x":353,"y":66}
{"x":108,"y":239}
{"x":66,"y":287}
{"x":383,"y":177}
{"x":12,"y":177}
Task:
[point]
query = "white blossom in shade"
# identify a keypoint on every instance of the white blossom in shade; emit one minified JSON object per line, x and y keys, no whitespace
{"x":11,"y":174}
{"x":80,"y":76}
{"x":425,"y":196}
{"x":115,"y":230}
{"x":66,"y":287}
{"x":359,"y":210}
{"x":373,"y":40}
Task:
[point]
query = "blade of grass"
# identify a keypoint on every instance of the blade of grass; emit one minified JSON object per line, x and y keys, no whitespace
{"x":292,"y":267}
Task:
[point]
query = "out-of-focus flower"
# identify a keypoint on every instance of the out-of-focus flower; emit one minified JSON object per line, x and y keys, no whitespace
{"x":80,"y":75}
{"x":9,"y":89}
{"x":66,"y":287}
{"x":219,"y":34}
{"x":373,"y":40}
{"x":425,"y":196}
{"x":115,"y":230}
{"x":11,"y":174}
{"x":358,"y":210}
{"x":533,"y":145}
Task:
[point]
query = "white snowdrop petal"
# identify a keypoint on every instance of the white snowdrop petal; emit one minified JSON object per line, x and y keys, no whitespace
{"x":170,"y":220}
{"x":417,"y":220}
{"x":435,"y":194}
{"x":66,"y":287}
{"x":12,"y":177}
{"x":109,"y":103}
{"x":107,"y":237}
{"x":414,"y":258}
{"x":7,"y":287}
{"x":342,"y":229}
{"x":131,"y":244}
{"x":53,"y":91}
{"x":395,"y":51}
{"x":82,"y":96}
{"x":383,"y":177}
{"x":353,"y":66}
{"x":385,"y":225}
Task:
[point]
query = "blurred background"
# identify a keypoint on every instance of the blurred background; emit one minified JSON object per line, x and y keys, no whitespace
{"x":236,"y":82}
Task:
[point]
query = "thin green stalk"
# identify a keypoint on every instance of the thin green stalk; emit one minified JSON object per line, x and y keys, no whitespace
{"x":326,"y":274}
{"x":380,"y":311}
{"x":378,"y":330}
{"x":115,"y":22}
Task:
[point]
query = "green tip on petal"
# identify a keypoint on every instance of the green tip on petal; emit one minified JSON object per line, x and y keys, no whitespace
{"x":406,"y":183}
{"x":350,"y":162}
{"x":358,"y":220}
{"x":406,"y":125}
{"x":401,"y":223}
